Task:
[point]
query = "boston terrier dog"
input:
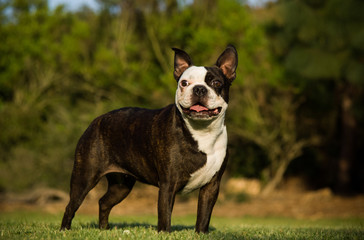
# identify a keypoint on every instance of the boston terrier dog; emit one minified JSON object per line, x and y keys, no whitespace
{"x":179,"y":148}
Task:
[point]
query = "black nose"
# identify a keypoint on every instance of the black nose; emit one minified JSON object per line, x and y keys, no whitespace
{"x":200,"y":90}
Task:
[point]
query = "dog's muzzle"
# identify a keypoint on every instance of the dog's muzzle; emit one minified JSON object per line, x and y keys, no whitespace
{"x":199,"y":111}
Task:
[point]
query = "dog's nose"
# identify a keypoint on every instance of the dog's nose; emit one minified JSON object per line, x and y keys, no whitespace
{"x":200,"y":90}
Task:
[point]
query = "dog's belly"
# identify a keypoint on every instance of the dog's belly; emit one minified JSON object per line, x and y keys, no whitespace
{"x":216,"y":153}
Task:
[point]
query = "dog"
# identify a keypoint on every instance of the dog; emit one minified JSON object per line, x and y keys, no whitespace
{"x":179,"y":148}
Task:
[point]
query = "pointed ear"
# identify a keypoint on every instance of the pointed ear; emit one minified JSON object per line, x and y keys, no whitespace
{"x":181,"y":62}
{"x":228,"y":61}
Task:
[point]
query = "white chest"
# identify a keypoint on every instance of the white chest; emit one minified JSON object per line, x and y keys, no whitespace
{"x":214,"y":145}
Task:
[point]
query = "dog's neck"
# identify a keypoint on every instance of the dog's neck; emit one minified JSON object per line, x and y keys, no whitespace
{"x":207,"y":133}
{"x":215,"y":125}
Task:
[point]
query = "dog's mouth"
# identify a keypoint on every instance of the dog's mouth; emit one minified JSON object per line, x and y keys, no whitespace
{"x":200,"y":111}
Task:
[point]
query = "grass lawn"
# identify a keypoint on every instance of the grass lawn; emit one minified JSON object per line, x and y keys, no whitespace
{"x":30,"y":225}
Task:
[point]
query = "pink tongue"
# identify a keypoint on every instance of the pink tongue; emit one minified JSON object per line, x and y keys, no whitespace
{"x":198,"y":108}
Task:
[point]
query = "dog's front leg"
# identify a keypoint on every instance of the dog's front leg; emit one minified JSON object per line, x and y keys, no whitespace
{"x":206,"y":201}
{"x":165,"y":206}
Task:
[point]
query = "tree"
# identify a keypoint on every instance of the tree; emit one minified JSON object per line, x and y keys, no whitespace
{"x":270,"y":121}
{"x":322,"y":42}
{"x":60,"y":70}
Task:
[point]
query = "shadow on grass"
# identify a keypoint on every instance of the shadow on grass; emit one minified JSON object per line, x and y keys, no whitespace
{"x":125,"y":225}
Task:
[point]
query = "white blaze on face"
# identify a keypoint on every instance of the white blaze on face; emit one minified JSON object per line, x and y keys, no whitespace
{"x":196,"y":76}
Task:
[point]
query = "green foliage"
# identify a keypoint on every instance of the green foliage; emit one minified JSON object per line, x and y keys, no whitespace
{"x":322,"y":40}
{"x":62,"y":69}
{"x":320,"y":45}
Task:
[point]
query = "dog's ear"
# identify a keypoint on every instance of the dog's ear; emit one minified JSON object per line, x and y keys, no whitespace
{"x":182,"y":61}
{"x":228,"y":61}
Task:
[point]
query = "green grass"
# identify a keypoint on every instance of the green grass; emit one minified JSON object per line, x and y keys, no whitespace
{"x":28,"y":225}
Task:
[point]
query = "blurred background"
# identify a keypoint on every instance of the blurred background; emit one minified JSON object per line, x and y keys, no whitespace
{"x":296,"y":109}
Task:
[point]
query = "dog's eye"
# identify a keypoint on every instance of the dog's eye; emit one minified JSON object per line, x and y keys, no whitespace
{"x":216,"y":84}
{"x":184,"y":83}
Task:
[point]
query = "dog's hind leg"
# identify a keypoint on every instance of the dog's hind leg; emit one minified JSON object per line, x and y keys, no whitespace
{"x":81,"y":184}
{"x":119,"y":186}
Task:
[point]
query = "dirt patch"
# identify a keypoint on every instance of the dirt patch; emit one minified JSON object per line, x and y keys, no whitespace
{"x":143,"y":200}
{"x":310,"y":205}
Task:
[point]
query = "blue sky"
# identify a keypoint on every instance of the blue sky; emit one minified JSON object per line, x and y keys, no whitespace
{"x":75,"y":4}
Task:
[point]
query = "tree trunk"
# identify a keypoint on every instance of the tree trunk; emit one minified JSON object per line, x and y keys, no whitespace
{"x":348,"y":126}
{"x":277,"y":178}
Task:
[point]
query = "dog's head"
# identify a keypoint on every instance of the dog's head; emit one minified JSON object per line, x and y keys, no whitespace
{"x":203,"y":92}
